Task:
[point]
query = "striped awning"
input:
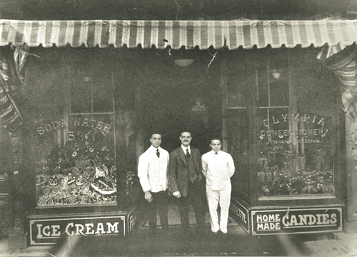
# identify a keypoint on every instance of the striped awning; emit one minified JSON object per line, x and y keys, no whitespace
{"x":177,"y":34}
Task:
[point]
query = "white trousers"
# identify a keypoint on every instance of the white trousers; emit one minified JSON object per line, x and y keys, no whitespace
{"x":223,"y":197}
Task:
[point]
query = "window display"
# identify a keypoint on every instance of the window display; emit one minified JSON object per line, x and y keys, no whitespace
{"x":295,"y":161}
{"x":291,"y":150}
{"x":80,"y":166}
{"x":82,"y":171}
{"x":294,"y":149}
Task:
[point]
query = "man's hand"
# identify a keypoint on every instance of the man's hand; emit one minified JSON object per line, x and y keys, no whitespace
{"x":148,"y":196}
{"x":177,"y":194}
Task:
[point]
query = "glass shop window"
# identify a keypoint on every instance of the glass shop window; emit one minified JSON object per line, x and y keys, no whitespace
{"x":294,"y":142}
{"x":295,"y":148}
{"x":82,"y":169}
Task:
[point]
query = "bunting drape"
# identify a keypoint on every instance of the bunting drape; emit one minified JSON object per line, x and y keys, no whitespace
{"x":342,"y":61}
{"x":10,"y":77}
{"x":8,"y":115}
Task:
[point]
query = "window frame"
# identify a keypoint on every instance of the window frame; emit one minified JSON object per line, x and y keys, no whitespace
{"x":293,"y":68}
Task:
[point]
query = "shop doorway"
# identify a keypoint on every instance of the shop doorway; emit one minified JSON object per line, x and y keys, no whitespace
{"x":172,"y":110}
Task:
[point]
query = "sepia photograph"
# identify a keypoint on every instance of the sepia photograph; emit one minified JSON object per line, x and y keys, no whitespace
{"x":178,"y":128}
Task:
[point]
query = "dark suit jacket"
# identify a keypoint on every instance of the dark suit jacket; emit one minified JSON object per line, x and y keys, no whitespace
{"x":178,"y":169}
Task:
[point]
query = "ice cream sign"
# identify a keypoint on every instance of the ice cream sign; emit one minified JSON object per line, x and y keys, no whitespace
{"x":50,"y":230}
{"x":291,"y":221}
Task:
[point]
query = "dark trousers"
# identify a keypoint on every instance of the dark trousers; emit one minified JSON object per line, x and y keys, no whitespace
{"x":160,"y":201}
{"x":195,"y":196}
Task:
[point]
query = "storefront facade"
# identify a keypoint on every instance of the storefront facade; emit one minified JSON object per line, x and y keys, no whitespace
{"x":95,"y":90}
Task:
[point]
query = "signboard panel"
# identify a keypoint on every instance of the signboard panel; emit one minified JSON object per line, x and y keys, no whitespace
{"x":48,"y":231}
{"x":294,"y":221}
{"x":240,"y":214}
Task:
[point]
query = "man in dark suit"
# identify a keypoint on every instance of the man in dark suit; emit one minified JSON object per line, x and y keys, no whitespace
{"x":185,"y":178}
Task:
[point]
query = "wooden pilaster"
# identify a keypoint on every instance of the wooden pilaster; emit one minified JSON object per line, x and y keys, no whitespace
{"x":350,"y":225}
{"x":17,"y":237}
{"x":139,"y":111}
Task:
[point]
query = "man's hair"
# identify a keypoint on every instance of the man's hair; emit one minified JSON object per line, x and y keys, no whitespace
{"x":215,"y":138}
{"x":186,"y":132}
{"x":155,"y":133}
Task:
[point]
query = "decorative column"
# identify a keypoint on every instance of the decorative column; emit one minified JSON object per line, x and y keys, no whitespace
{"x":350,"y":224}
{"x":343,"y":64}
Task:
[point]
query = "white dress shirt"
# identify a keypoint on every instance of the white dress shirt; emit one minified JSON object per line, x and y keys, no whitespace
{"x":184,"y":149}
{"x":218,"y":169}
{"x":152,"y":170}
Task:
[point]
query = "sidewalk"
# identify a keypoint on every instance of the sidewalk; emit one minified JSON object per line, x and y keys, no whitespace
{"x":336,"y":244}
{"x":237,"y":243}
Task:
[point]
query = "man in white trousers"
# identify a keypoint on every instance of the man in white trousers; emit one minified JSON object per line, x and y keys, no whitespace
{"x":218,"y":168}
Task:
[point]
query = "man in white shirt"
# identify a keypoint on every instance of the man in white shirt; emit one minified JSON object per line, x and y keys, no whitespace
{"x":152,"y":172}
{"x":218,"y":168}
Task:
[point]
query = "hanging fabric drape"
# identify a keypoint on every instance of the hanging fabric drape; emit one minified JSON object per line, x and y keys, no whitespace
{"x":10,"y":78}
{"x":343,"y":64}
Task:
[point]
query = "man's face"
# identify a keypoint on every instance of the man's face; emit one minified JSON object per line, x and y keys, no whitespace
{"x":215,"y":145}
{"x":185,"y":138}
{"x":155,"y":140}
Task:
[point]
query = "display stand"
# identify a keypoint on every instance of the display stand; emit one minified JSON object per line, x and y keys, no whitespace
{"x":274,"y":220}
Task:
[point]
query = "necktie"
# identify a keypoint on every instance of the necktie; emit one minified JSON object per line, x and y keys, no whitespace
{"x":216,"y":152}
{"x":187,"y":153}
{"x":158,"y":153}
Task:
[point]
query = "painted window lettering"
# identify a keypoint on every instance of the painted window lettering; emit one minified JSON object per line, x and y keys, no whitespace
{"x":54,"y":125}
{"x":300,"y":132}
{"x":297,"y":117}
{"x":288,"y":133}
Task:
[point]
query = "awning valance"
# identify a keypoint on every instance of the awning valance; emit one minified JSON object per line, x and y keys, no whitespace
{"x":189,"y":34}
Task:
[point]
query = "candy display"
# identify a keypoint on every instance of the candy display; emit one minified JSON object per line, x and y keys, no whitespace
{"x":81,"y":172}
{"x":282,"y":171}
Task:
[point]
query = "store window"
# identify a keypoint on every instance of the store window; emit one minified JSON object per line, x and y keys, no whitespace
{"x":292,"y":144}
{"x":81,"y":166}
